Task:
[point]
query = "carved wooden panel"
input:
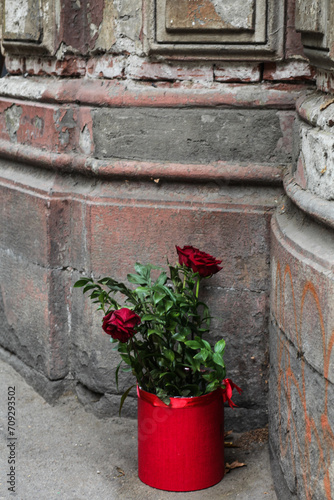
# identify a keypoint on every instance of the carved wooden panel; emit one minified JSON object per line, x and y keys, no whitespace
{"x":231,"y":29}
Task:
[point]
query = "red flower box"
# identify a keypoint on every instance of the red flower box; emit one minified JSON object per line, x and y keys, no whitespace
{"x":181,"y":446}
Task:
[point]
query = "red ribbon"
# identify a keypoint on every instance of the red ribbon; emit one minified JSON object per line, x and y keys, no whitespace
{"x":182,"y":402}
{"x":178,"y":402}
{"x":227,"y":392}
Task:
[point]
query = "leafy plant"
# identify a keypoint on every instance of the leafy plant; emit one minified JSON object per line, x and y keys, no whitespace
{"x":159,"y":333}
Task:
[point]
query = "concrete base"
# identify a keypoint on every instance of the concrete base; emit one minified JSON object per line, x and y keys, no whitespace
{"x":65,"y":452}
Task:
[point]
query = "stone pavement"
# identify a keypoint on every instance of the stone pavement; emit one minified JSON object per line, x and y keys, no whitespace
{"x":62,"y":452}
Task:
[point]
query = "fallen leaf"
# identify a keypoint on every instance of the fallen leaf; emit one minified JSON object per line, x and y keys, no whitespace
{"x":229,"y":444}
{"x":121,"y":471}
{"x":227,"y":433}
{"x":323,"y":170}
{"x":233,"y":465}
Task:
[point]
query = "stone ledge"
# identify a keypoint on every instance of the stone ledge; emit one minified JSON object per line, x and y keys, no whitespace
{"x":265,"y":174}
{"x":50,"y":390}
{"x":316,"y":109}
{"x":124,"y":93}
{"x":318,"y":208}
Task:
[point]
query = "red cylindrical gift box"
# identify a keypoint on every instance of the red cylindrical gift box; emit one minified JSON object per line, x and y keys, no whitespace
{"x":181,"y":446}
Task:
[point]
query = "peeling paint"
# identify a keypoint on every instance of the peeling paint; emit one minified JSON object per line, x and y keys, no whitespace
{"x":39,"y":123}
{"x":85,"y":141}
{"x":209,"y":14}
{"x":16,"y":13}
{"x":22,"y":20}
{"x":235,"y":12}
{"x":106,"y":30}
{"x":12,"y":117}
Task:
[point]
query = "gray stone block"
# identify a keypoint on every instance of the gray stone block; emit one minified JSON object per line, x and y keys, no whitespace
{"x":188,"y":135}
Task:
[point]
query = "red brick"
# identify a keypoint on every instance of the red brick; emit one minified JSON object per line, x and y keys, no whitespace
{"x":139,"y":69}
{"x":107,"y":66}
{"x":237,"y":72}
{"x":288,"y":71}
{"x":68,"y":66}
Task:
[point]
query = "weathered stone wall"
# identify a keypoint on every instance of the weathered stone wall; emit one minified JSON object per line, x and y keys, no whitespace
{"x":120,"y":138}
{"x":301,"y":392}
{"x":70,"y":208}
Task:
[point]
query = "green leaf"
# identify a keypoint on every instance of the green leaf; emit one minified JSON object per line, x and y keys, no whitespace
{"x":212,"y":386}
{"x":220,"y":346}
{"x":161,"y":279}
{"x":218,"y":359}
{"x":82,"y":282}
{"x":154,"y":332}
{"x":143,"y":289}
{"x":155,"y":373}
{"x":169,"y":354}
{"x":185,"y":330}
{"x":206,"y":344}
{"x":89,"y":287}
{"x":179,"y":337}
{"x":169,"y":292}
{"x":143,"y":270}
{"x":202,"y":355}
{"x":163,"y":396}
{"x":123,"y":398}
{"x":194,"y":363}
{"x":168,"y":305}
{"x":151,"y":317}
{"x":122,"y":347}
{"x":136,"y":279}
{"x":158,"y":296}
{"x":209,"y":376}
{"x":125,"y":358}
{"x":193,"y":344}
{"x":105,"y":281}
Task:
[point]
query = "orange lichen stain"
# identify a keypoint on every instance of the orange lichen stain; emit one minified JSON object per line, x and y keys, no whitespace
{"x":327,"y":485}
{"x":288,"y":380}
{"x":328,"y":355}
{"x":287,"y":271}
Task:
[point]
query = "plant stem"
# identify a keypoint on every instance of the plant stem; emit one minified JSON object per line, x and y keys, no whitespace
{"x":197,"y":287}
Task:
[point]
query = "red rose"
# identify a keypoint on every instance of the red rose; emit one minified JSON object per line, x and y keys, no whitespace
{"x":200,"y":262}
{"x":121,"y":324}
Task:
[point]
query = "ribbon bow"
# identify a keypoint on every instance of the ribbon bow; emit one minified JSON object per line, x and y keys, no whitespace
{"x":227,"y":392}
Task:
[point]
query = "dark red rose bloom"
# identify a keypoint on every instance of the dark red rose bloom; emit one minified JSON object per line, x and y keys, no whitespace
{"x":121,"y":324}
{"x":200,"y":262}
